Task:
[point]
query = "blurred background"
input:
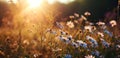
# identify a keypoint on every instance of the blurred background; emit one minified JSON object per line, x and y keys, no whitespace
{"x":99,"y":8}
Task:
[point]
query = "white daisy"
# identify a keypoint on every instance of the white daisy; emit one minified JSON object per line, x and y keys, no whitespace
{"x":71,"y":17}
{"x":103,"y":27}
{"x":113,"y":23}
{"x":87,"y":13}
{"x":88,"y":28}
{"x":118,"y":46}
{"x":83,"y":17}
{"x":64,"y":39}
{"x":70,"y":24}
{"x":100,"y":23}
{"x":74,"y":44}
{"x":77,"y":15}
{"x":89,"y":56}
{"x":26,"y":42}
{"x":62,"y":32}
{"x":69,"y":37}
{"x":101,"y":34}
{"x":51,"y":31}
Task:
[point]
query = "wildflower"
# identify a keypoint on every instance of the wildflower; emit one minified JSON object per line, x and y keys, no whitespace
{"x":77,"y":15}
{"x":93,"y":41}
{"x":118,"y":56}
{"x":51,"y":31}
{"x":83,"y":17}
{"x":70,"y":24}
{"x":101,"y":56}
{"x":100,"y":23}
{"x":35,"y":55}
{"x":68,"y":56}
{"x":94,"y":44}
{"x":118,"y":46}
{"x":87,"y":13}
{"x":103,"y":27}
{"x":106,"y":44}
{"x":91,"y":23}
{"x":94,"y":28}
{"x":58,"y":49}
{"x":69,"y":37}
{"x":71,"y":17}
{"x":88,"y":28}
{"x":63,"y":33}
{"x":109,"y":33}
{"x":96,"y":53}
{"x":113,"y":23}
{"x":74,"y":44}
{"x":81,"y":43}
{"x":2,"y":53}
{"x":64,"y":39}
{"x":76,"y":21}
{"x":26,"y":42}
{"x":59,"y":25}
{"x":89,"y":56}
{"x":101,"y":34}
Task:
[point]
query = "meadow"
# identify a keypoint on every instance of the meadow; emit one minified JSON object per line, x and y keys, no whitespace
{"x":76,"y":37}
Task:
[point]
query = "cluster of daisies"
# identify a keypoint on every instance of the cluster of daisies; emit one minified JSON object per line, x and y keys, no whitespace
{"x":99,"y":28}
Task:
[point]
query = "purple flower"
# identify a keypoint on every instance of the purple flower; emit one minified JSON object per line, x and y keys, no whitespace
{"x":93,"y":41}
{"x":81,"y":43}
{"x":64,"y":39}
{"x":109,"y":33}
{"x":68,"y":56}
{"x":106,"y":44}
{"x":96,"y":53}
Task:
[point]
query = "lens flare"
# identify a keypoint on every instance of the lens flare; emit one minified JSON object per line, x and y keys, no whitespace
{"x":34,"y":3}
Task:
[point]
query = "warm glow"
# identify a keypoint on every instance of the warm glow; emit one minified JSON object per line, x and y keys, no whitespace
{"x":51,"y":1}
{"x":61,"y":1}
{"x":65,"y":1}
{"x":9,"y":1}
{"x":14,"y":1}
{"x":34,"y":3}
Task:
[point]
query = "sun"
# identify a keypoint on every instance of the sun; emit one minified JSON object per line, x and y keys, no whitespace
{"x":34,"y":3}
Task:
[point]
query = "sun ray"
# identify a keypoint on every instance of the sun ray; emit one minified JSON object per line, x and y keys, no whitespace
{"x":34,"y":3}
